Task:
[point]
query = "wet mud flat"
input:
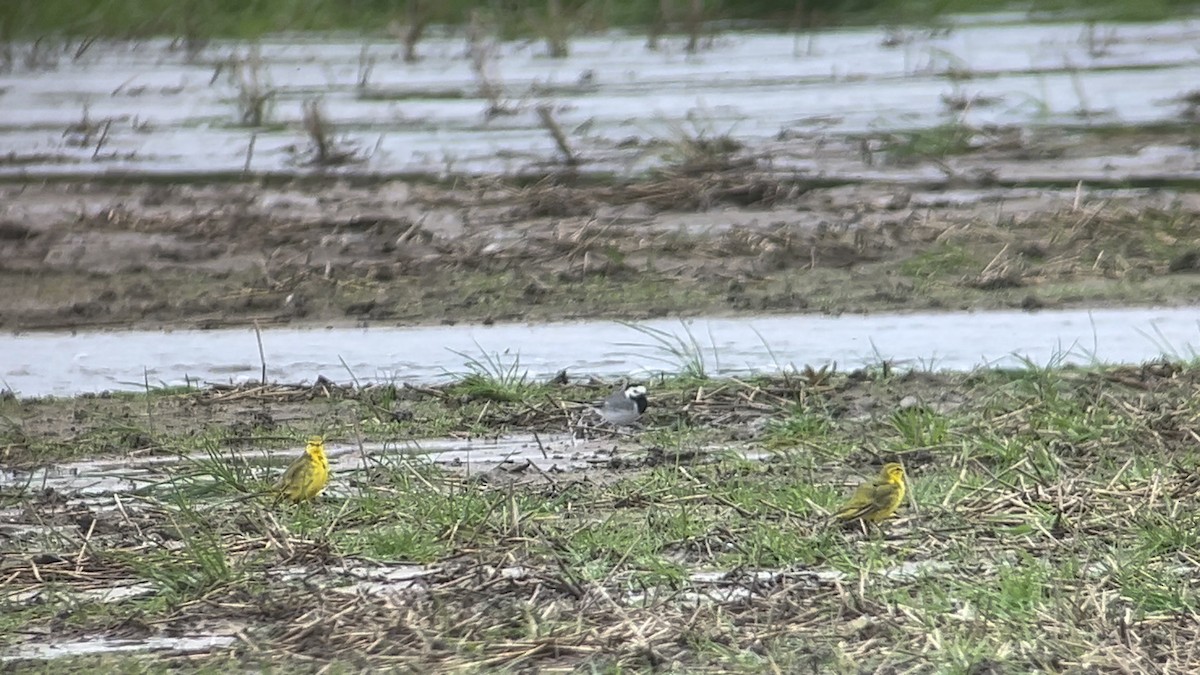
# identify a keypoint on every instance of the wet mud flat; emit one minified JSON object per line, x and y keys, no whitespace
{"x":738,"y":241}
{"x":1051,"y":526}
{"x":979,"y":164}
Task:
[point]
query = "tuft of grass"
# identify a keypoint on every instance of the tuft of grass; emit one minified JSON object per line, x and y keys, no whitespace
{"x":255,"y":94}
{"x":942,"y":261}
{"x":218,"y":472}
{"x":325,"y":147}
{"x":798,"y":425}
{"x":417,"y":16}
{"x":481,"y":51}
{"x":939,"y":142}
{"x":200,"y":565}
{"x":920,"y":427}
{"x":694,"y":147}
{"x":682,"y":353}
{"x":493,"y":377}
{"x":555,"y":28}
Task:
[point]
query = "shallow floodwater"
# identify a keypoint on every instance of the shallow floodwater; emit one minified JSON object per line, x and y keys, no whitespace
{"x":61,"y":364}
{"x":98,"y":478}
{"x":147,"y":107}
{"x":101,"y":645}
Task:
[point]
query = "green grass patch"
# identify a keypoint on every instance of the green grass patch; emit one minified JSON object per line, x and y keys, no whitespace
{"x":224,"y":18}
{"x":494,"y":377}
{"x":1039,"y":496}
{"x":939,"y":142}
{"x":938,"y":262}
{"x":798,"y":425}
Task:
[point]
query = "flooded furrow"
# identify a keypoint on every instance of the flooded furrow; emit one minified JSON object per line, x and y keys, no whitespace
{"x":65,"y":365}
{"x":621,"y":105}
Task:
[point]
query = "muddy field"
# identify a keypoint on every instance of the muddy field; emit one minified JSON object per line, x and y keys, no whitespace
{"x":537,"y":542}
{"x":980,"y":163}
{"x":740,"y":240}
{"x":489,"y":523}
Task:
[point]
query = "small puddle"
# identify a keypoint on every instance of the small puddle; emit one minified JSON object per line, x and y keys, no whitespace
{"x":373,"y":579}
{"x":92,"y":646}
{"x":557,"y":452}
{"x":729,"y":586}
{"x":106,"y":595}
{"x":83,"y":479}
{"x":91,"y":481}
{"x":383,"y":580}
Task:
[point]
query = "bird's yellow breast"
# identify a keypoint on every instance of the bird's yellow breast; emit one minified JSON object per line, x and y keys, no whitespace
{"x":876,"y":500}
{"x":308,"y":475}
{"x":318,"y":476}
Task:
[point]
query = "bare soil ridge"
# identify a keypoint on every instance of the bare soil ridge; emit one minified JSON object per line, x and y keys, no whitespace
{"x":734,"y":241}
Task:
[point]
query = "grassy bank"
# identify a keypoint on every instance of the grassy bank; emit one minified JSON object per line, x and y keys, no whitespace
{"x":223,"y":18}
{"x":1052,"y":527}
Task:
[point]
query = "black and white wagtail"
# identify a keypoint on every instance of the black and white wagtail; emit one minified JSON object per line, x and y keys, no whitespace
{"x":624,"y":406}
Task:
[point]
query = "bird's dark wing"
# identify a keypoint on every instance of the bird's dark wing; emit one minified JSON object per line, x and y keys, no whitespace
{"x":882,"y":494}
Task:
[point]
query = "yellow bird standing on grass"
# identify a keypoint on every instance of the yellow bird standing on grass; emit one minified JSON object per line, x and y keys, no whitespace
{"x":877,"y":499}
{"x":307,"y":476}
